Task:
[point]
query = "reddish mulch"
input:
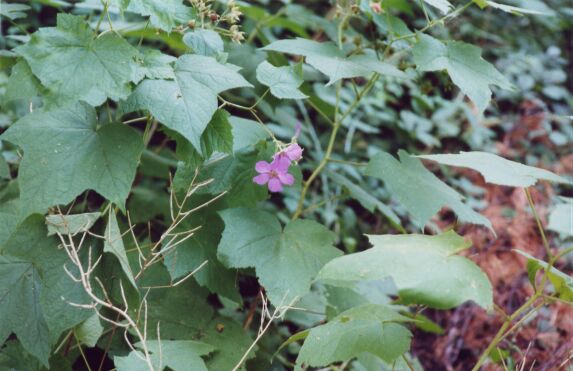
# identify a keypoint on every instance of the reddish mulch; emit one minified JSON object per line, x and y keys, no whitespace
{"x":545,"y":342}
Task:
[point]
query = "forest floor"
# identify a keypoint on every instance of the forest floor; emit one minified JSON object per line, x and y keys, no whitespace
{"x":544,"y":342}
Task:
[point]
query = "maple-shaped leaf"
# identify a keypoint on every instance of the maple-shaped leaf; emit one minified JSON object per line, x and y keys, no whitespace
{"x":71,"y":62}
{"x":467,"y":69}
{"x":67,"y":153}
{"x":187,"y":103}
{"x":286,"y":261}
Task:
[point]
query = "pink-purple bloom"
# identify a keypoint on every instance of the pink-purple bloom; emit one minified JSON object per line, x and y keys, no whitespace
{"x":293,"y":152}
{"x":274,"y":174}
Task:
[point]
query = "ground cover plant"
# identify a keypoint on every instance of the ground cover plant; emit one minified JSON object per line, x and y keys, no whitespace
{"x":265,"y":185}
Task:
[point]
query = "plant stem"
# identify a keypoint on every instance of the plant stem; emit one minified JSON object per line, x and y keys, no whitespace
{"x":433,"y":23}
{"x":501,"y":333}
{"x":337,"y":122}
{"x":538,"y":221}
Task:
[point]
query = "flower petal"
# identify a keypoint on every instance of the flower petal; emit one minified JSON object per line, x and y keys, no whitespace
{"x":261,"y":178}
{"x":286,"y":178}
{"x":280,"y":164}
{"x":263,"y":167}
{"x":293,"y":152}
{"x":275,"y":185}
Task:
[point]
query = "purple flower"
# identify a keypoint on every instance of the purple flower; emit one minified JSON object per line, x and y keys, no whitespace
{"x":274,"y":174}
{"x":293,"y":152}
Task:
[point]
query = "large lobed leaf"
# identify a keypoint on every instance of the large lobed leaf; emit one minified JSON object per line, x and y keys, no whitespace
{"x":282,"y":81}
{"x":187,"y":103}
{"x":66,"y":153}
{"x":425,"y":269}
{"x":71,"y":62}
{"x":496,"y":169}
{"x":35,"y":291}
{"x":420,"y":191}
{"x":163,"y":14}
{"x":467,"y":69}
{"x":367,"y":328}
{"x":331,"y":61}
{"x":286,"y":261}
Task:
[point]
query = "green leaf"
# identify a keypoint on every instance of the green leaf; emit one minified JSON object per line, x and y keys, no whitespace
{"x":368,"y":328}
{"x":201,"y":247}
{"x":234,"y":174}
{"x":496,"y":169}
{"x":561,"y":217}
{"x":228,"y":337}
{"x":71,"y":224}
{"x":163,"y":14}
{"x":443,"y":6}
{"x":286,"y":261}
{"x":9,"y":218}
{"x":514,"y":9}
{"x":366,"y":199}
{"x":154,"y":65}
{"x":331,"y":61}
{"x":114,"y":244}
{"x":35,"y":287}
{"x":66,"y":153}
{"x":425,"y":269}
{"x":230,"y":340}
{"x":562,"y":282}
{"x":89,"y":331}
{"x":13,"y":11}
{"x":68,"y":60}
{"x":22,"y":83}
{"x":204,"y":42}
{"x":178,"y":355}
{"x":13,"y":356}
{"x":218,"y":135}
{"x":4,"y":168}
{"x":467,"y":69}
{"x":187,"y":103}
{"x":282,"y":81}
{"x":246,"y":133}
{"x":411,"y":183}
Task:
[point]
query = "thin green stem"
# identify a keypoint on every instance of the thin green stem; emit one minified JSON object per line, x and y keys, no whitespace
{"x":539,"y":225}
{"x":501,"y":333}
{"x":82,"y":353}
{"x":435,"y":22}
{"x":337,"y":123}
{"x":260,"y":99}
{"x":143,"y":34}
{"x":408,"y":363}
{"x":101,"y":17}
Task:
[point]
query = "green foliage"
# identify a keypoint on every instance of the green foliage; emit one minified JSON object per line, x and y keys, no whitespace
{"x":286,"y":260}
{"x":497,"y":170}
{"x":68,"y":152}
{"x":282,"y":81}
{"x":425,"y":269}
{"x":187,"y":103}
{"x":33,"y":285}
{"x":75,"y":66}
{"x":131,"y":220}
{"x":331,"y":61}
{"x":375,"y":329}
{"x":467,"y":69}
{"x":410,"y":182}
